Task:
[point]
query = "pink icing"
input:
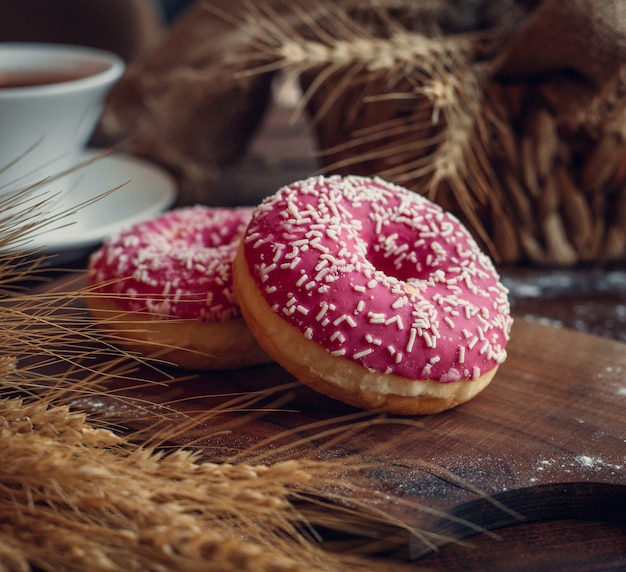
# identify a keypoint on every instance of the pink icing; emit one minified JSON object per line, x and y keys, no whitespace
{"x":176,"y":265}
{"x":381,"y":276}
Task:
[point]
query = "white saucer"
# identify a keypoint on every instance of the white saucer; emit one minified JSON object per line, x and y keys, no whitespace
{"x":144,"y":191}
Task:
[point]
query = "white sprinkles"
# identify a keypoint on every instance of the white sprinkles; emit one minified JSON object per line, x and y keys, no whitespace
{"x":381,"y":276}
{"x":176,"y":265}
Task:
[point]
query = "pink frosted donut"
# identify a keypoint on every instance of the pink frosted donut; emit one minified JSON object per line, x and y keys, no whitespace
{"x":164,"y":288}
{"x":372,"y":294}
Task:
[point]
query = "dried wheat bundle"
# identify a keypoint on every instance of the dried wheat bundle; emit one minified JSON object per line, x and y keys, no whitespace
{"x":431,"y":96}
{"x":79,"y":497}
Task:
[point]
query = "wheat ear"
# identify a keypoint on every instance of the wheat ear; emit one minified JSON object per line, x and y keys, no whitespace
{"x":441,"y":142}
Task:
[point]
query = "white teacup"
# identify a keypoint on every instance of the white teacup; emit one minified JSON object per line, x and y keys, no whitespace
{"x":51,"y":97}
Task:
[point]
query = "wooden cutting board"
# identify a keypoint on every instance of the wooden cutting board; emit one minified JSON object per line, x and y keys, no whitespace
{"x":546,"y":441}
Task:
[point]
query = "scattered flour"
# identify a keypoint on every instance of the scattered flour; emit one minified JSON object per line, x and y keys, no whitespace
{"x":596,"y":463}
{"x":589,"y":462}
{"x":568,"y":466}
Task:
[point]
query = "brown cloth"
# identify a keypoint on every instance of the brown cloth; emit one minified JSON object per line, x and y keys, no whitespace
{"x":180,"y":107}
{"x":578,"y":48}
{"x":583,"y":36}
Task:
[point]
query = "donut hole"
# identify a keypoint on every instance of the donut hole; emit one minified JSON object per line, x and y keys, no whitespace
{"x":395,"y":256}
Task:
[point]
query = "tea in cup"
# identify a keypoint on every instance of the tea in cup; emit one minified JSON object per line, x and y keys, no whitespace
{"x":51,"y":97}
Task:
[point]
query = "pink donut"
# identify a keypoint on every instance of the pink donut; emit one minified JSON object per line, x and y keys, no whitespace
{"x":165,"y":288}
{"x":372,"y":294}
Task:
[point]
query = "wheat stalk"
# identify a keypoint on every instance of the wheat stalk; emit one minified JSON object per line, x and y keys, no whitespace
{"x":442,"y":142}
{"x":78,"y":496}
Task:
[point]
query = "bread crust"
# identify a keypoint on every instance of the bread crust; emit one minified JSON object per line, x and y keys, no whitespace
{"x":338,"y":377}
{"x":188,"y":344}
